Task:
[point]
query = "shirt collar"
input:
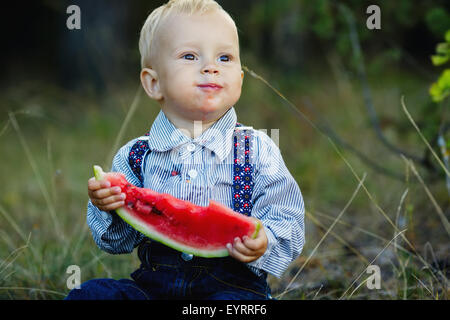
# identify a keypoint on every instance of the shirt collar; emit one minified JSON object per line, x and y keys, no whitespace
{"x":164,"y":136}
{"x":218,"y":138}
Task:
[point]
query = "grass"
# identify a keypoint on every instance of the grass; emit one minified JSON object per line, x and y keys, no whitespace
{"x":50,"y":138}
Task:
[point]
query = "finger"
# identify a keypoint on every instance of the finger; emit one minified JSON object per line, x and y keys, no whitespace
{"x":93,"y":184}
{"x":240,"y":247}
{"x":106,"y":192}
{"x":253,"y":244}
{"x":111,"y":199}
{"x":112,"y":206}
{"x":239,"y":256}
{"x":105,"y":184}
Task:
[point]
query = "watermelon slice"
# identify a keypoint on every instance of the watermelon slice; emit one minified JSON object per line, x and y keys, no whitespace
{"x":179,"y":224}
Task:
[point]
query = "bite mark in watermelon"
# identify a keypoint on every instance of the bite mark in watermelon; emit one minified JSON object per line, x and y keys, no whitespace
{"x":179,"y":224}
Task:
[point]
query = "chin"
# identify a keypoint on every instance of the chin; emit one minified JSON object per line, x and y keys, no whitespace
{"x":205,"y":115}
{"x":213,"y":113}
{"x":208,"y":111}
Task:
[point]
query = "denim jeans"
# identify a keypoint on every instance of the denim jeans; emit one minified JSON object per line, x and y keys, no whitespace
{"x":164,"y":274}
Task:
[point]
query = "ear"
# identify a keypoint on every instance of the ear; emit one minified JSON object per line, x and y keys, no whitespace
{"x":150,"y":82}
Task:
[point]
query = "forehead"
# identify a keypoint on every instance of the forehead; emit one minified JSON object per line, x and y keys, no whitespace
{"x":212,"y":27}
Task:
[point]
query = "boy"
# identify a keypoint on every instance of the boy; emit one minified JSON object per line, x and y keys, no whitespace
{"x":191,"y":66}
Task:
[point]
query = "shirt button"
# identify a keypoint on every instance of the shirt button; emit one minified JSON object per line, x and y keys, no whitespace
{"x":186,"y":256}
{"x":192,"y":173}
{"x":190,"y":147}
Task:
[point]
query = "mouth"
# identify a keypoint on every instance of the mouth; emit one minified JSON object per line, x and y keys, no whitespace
{"x":210,"y":86}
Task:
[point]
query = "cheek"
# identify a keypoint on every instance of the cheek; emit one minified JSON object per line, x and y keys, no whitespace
{"x":236,"y":88}
{"x":176,"y":80}
{"x":177,"y":87}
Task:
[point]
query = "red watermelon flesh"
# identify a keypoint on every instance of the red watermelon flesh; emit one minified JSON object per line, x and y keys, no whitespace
{"x":179,"y":224}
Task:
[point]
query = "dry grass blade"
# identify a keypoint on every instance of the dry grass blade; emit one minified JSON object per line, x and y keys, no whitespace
{"x":359,"y":286}
{"x":293,"y":106}
{"x":355,"y":227}
{"x":18,"y":251}
{"x":339,"y":238}
{"x":40,"y":181}
{"x":13,"y":223}
{"x":15,"y":252}
{"x":427,"y":191}
{"x":401,"y":232}
{"x":315,"y":296}
{"x":130,"y":113}
{"x":423,"y":285}
{"x":322,"y":239}
{"x":423,"y":138}
{"x":4,"y":128}
{"x":51,"y":171}
{"x":94,"y":260}
{"x":402,"y":265}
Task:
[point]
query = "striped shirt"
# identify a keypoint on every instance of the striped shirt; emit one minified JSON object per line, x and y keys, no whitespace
{"x":201,"y":169}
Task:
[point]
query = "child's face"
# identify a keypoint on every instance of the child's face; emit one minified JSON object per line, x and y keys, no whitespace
{"x":198,"y":66}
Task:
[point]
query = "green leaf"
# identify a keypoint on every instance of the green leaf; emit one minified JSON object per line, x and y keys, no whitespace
{"x":443,"y":48}
{"x":441,"y":89}
{"x":437,"y":20}
{"x":439,"y":60}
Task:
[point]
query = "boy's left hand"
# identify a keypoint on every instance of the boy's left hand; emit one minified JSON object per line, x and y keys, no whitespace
{"x":247,"y":249}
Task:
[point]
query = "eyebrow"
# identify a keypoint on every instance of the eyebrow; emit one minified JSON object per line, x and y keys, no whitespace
{"x":195,"y":45}
{"x":188,"y":44}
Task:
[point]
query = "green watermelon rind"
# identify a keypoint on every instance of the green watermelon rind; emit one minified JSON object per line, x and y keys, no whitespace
{"x":144,"y":229}
{"x":166,"y":240}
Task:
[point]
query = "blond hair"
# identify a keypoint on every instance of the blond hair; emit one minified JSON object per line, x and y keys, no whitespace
{"x":154,"y":19}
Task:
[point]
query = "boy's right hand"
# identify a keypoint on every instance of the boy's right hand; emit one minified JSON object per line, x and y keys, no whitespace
{"x":103,"y":196}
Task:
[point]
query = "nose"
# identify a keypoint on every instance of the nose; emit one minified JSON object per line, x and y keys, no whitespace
{"x":210,"y":69}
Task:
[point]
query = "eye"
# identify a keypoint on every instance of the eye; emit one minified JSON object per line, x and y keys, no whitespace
{"x":188,"y":56}
{"x":225,"y":58}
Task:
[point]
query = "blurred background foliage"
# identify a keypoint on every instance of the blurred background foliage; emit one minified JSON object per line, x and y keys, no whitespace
{"x":284,"y":35}
{"x":292,"y":38}
{"x":65,"y":94}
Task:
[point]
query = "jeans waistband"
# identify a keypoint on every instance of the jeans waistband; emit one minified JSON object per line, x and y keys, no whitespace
{"x":151,"y":252}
